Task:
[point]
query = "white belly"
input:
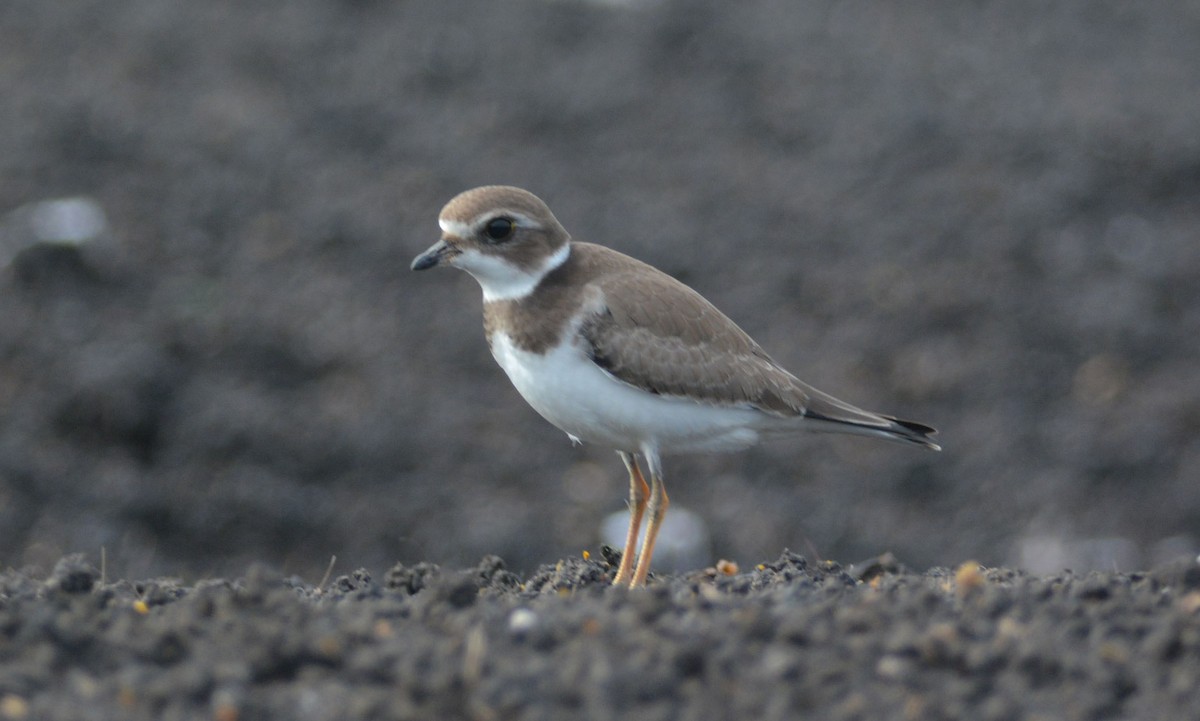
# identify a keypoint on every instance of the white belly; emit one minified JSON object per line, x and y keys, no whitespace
{"x":579,"y":397}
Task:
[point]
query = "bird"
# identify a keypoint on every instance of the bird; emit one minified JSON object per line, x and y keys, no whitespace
{"x":615,"y":352}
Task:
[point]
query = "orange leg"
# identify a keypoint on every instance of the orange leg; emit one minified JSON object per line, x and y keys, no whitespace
{"x":657,"y":506}
{"x":638,"y":492}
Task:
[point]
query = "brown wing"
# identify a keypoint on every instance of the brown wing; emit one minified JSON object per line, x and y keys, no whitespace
{"x":657,"y":334}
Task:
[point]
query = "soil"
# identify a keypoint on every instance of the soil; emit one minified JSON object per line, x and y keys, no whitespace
{"x":787,"y":639}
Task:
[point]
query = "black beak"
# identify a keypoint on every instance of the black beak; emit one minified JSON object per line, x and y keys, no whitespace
{"x":434,"y":256}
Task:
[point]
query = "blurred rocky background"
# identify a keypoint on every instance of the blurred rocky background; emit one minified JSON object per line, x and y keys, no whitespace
{"x":983,"y":216}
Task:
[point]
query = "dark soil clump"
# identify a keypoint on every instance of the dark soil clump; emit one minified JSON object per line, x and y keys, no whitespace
{"x":786,"y":639}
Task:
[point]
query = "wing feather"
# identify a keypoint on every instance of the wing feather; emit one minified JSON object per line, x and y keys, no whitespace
{"x":655,"y":333}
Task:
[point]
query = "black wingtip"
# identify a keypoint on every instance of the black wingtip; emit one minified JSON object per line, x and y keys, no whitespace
{"x":914,"y":432}
{"x":881,"y":426}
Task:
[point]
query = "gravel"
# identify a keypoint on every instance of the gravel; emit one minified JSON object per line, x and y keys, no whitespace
{"x":786,"y":639}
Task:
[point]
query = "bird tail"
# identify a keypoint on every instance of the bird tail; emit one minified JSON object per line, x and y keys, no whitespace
{"x":912,"y":432}
{"x":866,"y":423}
{"x":825,"y":413}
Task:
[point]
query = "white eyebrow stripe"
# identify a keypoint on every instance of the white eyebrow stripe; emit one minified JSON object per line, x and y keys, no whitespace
{"x":520,"y":219}
{"x":457,"y":228}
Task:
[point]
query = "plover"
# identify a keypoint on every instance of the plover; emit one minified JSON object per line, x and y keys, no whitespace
{"x":615,"y":352}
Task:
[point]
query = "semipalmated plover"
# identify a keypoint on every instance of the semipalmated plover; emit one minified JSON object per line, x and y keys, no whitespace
{"x":615,"y":352}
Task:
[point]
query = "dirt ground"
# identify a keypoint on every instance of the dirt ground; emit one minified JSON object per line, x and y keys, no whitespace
{"x":213,"y":356}
{"x":785,"y":640}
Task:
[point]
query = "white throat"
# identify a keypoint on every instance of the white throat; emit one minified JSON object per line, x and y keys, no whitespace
{"x":501,"y":280}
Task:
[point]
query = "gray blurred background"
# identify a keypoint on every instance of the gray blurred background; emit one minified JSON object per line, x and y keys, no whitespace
{"x":983,"y":216}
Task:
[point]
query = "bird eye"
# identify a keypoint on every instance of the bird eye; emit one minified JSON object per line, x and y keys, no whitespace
{"x":499,"y":229}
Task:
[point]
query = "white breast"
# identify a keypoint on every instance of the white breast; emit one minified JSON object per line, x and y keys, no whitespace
{"x":579,"y":397}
